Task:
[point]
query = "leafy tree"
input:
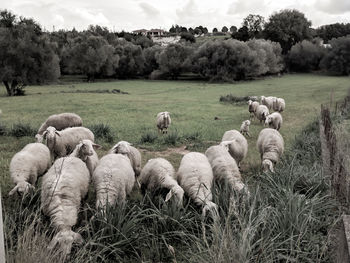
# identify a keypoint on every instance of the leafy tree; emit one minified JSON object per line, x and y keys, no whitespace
{"x":174,"y":60}
{"x":305,"y":56}
{"x":188,"y":37}
{"x":215,"y":30}
{"x":205,"y":30}
{"x":337,"y":59}
{"x":327,"y":32}
{"x":183,"y":29}
{"x":287,"y":27}
{"x":26,"y":54}
{"x":255,"y":25}
{"x":143,"y":41}
{"x":242,"y":34}
{"x":224,"y":29}
{"x":191,"y":30}
{"x":233,"y":29}
{"x":151,"y":58}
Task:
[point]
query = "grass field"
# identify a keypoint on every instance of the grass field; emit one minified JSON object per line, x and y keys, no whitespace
{"x":193,"y":106}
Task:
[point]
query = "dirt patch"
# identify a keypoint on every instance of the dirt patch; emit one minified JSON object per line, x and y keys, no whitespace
{"x":179,"y":150}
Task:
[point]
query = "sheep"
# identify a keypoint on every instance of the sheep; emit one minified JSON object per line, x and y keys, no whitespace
{"x":26,"y":165}
{"x":252,"y":107}
{"x":245,"y":127}
{"x":274,"y":120}
{"x":279,"y":104}
{"x":113,"y":179}
{"x":85,"y":151}
{"x":163,"y":121}
{"x":158,"y":174}
{"x":195,"y":176}
{"x":131,"y":152}
{"x":225,"y":168}
{"x":236,"y":144}
{"x":64,"y":185}
{"x":261,"y":112}
{"x":62,"y":143}
{"x":60,"y":122}
{"x":267,"y":101}
{"x":270,"y":144}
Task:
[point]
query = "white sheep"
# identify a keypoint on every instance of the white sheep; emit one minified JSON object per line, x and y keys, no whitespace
{"x":279,"y":104}
{"x":252,"y":106}
{"x":64,"y":185}
{"x":225,"y":168}
{"x":60,"y":122}
{"x":158,"y":174}
{"x":27,"y":165}
{"x":85,"y":151}
{"x":261,"y":112}
{"x":236,"y":144}
{"x":131,"y":152}
{"x":62,"y":143}
{"x":267,"y":101}
{"x":245,"y":127}
{"x":113,"y":179}
{"x":195,"y":176}
{"x":274,"y":120}
{"x":270,"y":144}
{"x":163,"y":121}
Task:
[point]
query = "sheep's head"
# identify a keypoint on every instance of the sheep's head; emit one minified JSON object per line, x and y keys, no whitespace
{"x":226,"y":144}
{"x":50,"y":136}
{"x":268,"y":119}
{"x":178,"y":194}
{"x":65,"y":240}
{"x":22,"y":188}
{"x":267,"y":165}
{"x":262,"y":99}
{"x":246,"y":122}
{"x":250,"y":102}
{"x":39,"y":138}
{"x":87,"y":148}
{"x":121,"y":147}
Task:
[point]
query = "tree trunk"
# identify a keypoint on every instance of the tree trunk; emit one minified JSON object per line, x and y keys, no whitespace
{"x":14,"y":85}
{"x":8,"y":89}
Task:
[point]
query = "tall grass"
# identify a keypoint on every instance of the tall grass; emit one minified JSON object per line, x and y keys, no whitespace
{"x":286,"y":219}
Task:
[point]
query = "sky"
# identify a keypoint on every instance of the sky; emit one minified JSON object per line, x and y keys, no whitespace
{"x":130,"y":15}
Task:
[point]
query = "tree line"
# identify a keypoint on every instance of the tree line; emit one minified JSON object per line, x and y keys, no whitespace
{"x":29,"y":55}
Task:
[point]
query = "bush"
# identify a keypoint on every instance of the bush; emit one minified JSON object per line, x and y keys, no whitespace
{"x":148,"y":137}
{"x":2,"y":129}
{"x":337,"y":58}
{"x":102,"y":131}
{"x":21,"y":130}
{"x":171,"y":138}
{"x":235,"y":99}
{"x":305,"y":56}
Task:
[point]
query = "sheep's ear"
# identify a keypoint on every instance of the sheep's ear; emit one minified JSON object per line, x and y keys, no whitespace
{"x":96,"y":146}
{"x":168,"y":196}
{"x":44,"y":134}
{"x":271,"y":168}
{"x":78,"y":239}
{"x":57,"y":133}
{"x":14,"y":190}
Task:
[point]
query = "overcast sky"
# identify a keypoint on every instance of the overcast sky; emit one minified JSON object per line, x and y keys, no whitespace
{"x":136,"y":14}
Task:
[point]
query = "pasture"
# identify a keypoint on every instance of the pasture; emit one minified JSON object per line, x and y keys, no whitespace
{"x":193,"y":106}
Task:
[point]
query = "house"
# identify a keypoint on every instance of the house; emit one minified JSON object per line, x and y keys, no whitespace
{"x":155,"y":32}
{"x":140,"y":31}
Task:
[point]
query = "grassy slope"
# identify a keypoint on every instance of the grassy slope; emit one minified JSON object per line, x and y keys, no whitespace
{"x":193,"y":106}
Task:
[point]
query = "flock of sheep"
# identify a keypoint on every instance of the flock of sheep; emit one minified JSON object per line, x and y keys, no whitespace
{"x":65,"y":155}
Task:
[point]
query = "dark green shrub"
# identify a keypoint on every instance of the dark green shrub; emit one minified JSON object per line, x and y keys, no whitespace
{"x":171,"y":138}
{"x":102,"y":131}
{"x":2,"y":129}
{"x":148,"y":137}
{"x":21,"y":130}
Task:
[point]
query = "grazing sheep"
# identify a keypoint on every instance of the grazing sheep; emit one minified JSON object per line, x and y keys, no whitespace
{"x":163,"y":121}
{"x":62,"y":143}
{"x":253,"y":105}
{"x":195,"y":176}
{"x":131,"y":152}
{"x":245,"y":127}
{"x":26,"y":165}
{"x":236,"y":144}
{"x":63,"y":187}
{"x":271,"y":146}
{"x":113,"y":178}
{"x":267,"y":101}
{"x":225,"y":168}
{"x":60,"y":122}
{"x":261,"y":112}
{"x":274,"y":120}
{"x":279,"y":104}
{"x":158,"y":174}
{"x":85,"y":151}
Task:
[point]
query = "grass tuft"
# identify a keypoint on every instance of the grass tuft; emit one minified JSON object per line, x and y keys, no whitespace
{"x":21,"y":130}
{"x":102,"y":131}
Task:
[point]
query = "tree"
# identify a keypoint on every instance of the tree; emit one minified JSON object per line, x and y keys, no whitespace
{"x":255,"y":25}
{"x":151,"y":55}
{"x":187,"y":36}
{"x":337,"y":59}
{"x":215,"y":30}
{"x":242,"y":34}
{"x":224,"y":29}
{"x":233,"y":29}
{"x":287,"y":27}
{"x":327,"y":32}
{"x":26,"y":54}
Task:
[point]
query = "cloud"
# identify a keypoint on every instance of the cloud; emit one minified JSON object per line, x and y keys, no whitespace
{"x":149,"y":10}
{"x":247,"y":7}
{"x":333,"y":6}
